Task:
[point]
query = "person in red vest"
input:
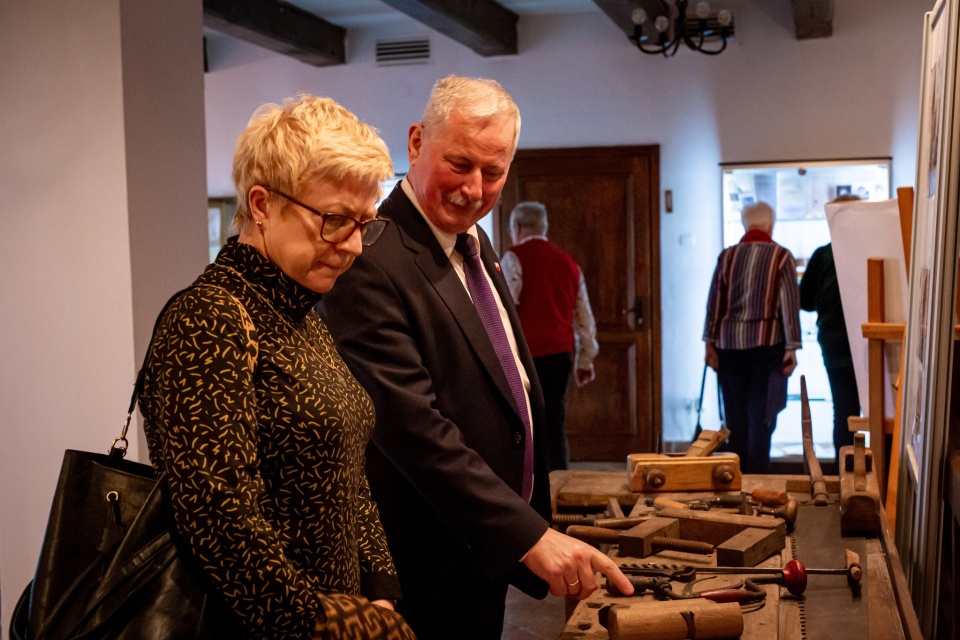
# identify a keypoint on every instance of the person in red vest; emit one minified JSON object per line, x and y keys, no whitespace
{"x":548,"y":288}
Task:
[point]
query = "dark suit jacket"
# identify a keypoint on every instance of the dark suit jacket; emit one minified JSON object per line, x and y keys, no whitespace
{"x":446,"y":458}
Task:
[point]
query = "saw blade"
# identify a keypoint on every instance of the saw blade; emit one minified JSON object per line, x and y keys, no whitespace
{"x":830,"y":608}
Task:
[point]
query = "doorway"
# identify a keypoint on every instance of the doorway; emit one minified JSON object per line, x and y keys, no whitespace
{"x":798,"y":191}
{"x":604,"y":208}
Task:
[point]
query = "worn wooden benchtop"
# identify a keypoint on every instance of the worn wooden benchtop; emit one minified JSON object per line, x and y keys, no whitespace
{"x":828,"y":609}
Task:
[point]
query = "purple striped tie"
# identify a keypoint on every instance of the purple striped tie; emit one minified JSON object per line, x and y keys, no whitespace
{"x":486,"y":306}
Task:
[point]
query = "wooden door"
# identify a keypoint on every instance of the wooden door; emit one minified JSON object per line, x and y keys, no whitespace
{"x":603,"y":208}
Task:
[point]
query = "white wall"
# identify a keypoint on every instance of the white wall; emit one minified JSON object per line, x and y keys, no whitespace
{"x":579,"y":81}
{"x":103,"y":192}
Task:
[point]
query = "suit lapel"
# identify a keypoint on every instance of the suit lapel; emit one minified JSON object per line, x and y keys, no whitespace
{"x":417,"y":236}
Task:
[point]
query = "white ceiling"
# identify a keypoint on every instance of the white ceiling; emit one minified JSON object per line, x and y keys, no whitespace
{"x":366,"y":13}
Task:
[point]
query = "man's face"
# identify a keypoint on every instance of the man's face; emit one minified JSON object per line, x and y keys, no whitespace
{"x":458,"y":172}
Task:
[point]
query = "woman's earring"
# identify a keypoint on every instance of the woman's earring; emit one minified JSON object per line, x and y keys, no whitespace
{"x":260,"y":223}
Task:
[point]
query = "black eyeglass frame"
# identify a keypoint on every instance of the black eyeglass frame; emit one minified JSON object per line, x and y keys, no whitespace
{"x":374,"y":227}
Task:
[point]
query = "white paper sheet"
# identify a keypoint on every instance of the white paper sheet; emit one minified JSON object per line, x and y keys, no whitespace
{"x":858,"y":231}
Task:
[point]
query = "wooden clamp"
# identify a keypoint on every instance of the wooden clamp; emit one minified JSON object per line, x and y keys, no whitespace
{"x":859,"y":490}
{"x":657,"y":472}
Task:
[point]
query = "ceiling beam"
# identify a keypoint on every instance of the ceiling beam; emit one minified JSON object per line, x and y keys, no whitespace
{"x":483,"y":25}
{"x":619,"y":11}
{"x":280,"y":27}
{"x":813,"y":18}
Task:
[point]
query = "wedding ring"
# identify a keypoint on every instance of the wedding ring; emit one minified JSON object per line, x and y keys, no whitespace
{"x":570,"y":585}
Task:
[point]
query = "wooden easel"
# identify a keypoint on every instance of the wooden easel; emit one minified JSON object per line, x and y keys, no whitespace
{"x":877,"y":331}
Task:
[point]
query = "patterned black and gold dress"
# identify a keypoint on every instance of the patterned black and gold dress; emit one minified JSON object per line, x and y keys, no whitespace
{"x":262,"y":428}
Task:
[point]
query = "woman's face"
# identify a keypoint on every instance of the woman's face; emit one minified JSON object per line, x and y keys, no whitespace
{"x":290,"y":235}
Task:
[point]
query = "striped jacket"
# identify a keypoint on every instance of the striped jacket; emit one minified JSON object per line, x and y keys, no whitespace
{"x":754,"y":299}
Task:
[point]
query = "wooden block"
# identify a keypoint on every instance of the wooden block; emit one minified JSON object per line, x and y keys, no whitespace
{"x":655,"y":472}
{"x":592,"y":490}
{"x":859,"y":491}
{"x":716,"y":527}
{"x":636,"y":542}
{"x":750,"y":547}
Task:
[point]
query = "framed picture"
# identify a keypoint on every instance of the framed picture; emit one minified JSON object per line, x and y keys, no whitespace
{"x":929,"y":344}
{"x":219,"y":220}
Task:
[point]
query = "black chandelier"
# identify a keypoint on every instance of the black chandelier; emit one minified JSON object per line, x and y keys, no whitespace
{"x":662,"y":30}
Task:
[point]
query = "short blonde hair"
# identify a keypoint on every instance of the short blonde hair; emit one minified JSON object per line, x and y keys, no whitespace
{"x":759,"y":215}
{"x":304,"y":139}
{"x":480,"y":98}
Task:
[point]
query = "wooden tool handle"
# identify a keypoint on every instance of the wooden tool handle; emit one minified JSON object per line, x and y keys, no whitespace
{"x":620,"y":523}
{"x":593,"y":535}
{"x":707,"y":442}
{"x":769,"y":497}
{"x":667,"y":503}
{"x":853,"y":566}
{"x":818,"y":488}
{"x":676,"y":620}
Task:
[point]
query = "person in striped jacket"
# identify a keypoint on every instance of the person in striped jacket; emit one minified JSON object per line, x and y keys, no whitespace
{"x":752,"y":332}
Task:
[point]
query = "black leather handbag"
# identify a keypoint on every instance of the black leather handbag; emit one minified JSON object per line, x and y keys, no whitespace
{"x":111,"y":566}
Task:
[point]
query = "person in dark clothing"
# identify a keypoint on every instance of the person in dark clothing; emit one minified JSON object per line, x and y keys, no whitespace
{"x":249,"y":409}
{"x":820,"y":292}
{"x":427,"y":324}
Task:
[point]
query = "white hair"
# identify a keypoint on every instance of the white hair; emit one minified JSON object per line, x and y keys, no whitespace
{"x":759,"y":215}
{"x":480,"y":98}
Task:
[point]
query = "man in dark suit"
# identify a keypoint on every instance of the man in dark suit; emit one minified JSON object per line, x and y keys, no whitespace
{"x":462,"y":495}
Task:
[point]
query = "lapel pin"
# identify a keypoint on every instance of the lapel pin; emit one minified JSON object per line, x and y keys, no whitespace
{"x":497,"y":265}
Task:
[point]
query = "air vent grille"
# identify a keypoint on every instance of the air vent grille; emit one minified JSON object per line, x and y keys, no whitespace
{"x":397,"y":52}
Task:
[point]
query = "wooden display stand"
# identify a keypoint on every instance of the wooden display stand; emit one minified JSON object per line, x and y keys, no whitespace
{"x":877,"y":331}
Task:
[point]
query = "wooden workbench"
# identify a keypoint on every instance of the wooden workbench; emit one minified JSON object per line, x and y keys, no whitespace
{"x":828,"y":609}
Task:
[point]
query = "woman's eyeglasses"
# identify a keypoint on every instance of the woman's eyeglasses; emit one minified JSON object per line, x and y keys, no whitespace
{"x":335,"y":228}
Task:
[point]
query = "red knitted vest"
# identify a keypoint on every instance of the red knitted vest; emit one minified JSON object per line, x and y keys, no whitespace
{"x":551,"y":280}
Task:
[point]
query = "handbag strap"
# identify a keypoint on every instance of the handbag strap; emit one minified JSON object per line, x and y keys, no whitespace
{"x":118,"y":449}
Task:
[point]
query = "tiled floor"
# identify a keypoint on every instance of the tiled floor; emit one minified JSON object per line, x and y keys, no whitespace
{"x":529,"y":619}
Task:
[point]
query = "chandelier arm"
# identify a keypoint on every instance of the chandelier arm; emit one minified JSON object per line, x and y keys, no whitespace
{"x":640,"y":46}
{"x":673,"y":48}
{"x":696,"y":47}
{"x":715,"y":52}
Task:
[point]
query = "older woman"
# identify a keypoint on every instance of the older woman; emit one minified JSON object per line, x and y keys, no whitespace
{"x":249,"y":409}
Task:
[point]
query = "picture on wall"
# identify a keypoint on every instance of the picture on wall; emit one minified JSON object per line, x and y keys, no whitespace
{"x":925,"y":233}
{"x":929,"y":341}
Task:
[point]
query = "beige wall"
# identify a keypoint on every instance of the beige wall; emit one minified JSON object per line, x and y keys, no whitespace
{"x":103,"y":190}
{"x":580,"y":82}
